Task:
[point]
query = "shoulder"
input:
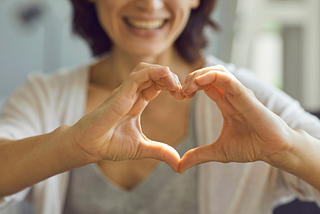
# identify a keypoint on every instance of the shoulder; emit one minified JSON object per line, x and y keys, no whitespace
{"x":66,"y":77}
{"x":46,"y":97}
{"x":53,"y":85}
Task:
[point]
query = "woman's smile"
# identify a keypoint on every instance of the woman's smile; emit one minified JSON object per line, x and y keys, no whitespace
{"x":145,"y":27}
{"x":145,"y":24}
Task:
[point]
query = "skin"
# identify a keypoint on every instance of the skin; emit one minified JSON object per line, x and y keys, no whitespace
{"x":130,"y":49}
{"x":250,"y":131}
{"x":113,"y":78}
{"x":111,"y":15}
{"x":113,"y":131}
{"x":124,"y":98}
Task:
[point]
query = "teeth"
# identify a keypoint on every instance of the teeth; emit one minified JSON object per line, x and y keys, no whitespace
{"x":148,"y":25}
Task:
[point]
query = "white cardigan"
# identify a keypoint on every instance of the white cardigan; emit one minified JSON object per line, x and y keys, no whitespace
{"x":46,"y":102}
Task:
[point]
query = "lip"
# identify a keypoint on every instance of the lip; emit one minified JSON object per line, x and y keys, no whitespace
{"x":145,"y":17}
{"x":145,"y":32}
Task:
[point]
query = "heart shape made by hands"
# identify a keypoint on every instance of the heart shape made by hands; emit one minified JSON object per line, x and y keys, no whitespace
{"x":250,"y":131}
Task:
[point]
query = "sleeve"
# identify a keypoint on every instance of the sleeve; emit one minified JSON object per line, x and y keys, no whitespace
{"x":296,"y":117}
{"x":22,"y":116}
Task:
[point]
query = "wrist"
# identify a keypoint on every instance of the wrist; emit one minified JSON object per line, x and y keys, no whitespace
{"x":70,"y":152}
{"x":291,"y":157}
{"x":285,"y":156}
{"x":301,"y":159}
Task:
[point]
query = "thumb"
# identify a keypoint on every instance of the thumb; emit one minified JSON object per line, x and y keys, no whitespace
{"x":196,"y":156}
{"x":160,"y":151}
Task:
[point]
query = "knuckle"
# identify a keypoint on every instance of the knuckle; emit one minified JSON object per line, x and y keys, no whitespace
{"x":190,"y":75}
{"x":212,"y":67}
{"x":195,"y":75}
{"x":141,"y":65}
{"x":188,"y":91}
{"x":196,"y":155}
{"x":221,"y":67}
{"x":175,"y":76}
{"x":165,"y":152}
{"x":250,"y":92}
{"x":132,"y":76}
{"x":227,"y":83}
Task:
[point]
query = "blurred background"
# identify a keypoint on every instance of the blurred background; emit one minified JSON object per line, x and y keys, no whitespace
{"x":278,"y":39}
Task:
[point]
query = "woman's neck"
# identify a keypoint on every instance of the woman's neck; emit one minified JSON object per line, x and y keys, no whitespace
{"x":112,"y":71}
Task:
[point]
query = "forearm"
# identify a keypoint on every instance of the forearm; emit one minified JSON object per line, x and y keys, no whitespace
{"x":26,"y":162}
{"x":302,"y":159}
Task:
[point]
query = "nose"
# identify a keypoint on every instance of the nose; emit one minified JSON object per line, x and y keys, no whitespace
{"x":149,"y":5}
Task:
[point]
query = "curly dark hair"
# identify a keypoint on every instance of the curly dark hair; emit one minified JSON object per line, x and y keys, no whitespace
{"x":189,"y":44}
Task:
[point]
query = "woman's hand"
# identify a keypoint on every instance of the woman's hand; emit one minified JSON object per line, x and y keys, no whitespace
{"x":250,"y":131}
{"x":113,"y":131}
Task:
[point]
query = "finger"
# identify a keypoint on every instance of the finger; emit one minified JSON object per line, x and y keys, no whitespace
{"x":159,"y":82}
{"x":160,"y":151}
{"x":161,"y":87}
{"x":137,"y":79}
{"x":168,"y":83}
{"x":150,"y":92}
{"x":213,"y":93}
{"x":146,"y":85}
{"x":190,"y":86}
{"x":223,"y":81}
{"x":198,"y":73}
{"x":146,"y":74}
{"x":190,"y":95}
{"x":125,"y":97}
{"x":171,"y":82}
{"x":177,"y":95}
{"x":146,"y":96}
{"x":143,"y":65}
{"x":196,"y":156}
{"x":187,"y":89}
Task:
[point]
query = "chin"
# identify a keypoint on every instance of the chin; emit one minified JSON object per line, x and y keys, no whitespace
{"x":147,"y":52}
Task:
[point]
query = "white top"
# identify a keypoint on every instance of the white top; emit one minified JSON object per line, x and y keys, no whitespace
{"x":46,"y":102}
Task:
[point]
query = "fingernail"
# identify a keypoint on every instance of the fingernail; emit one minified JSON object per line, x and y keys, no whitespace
{"x":187,"y":83}
{"x":177,"y":79}
{"x":177,"y":83}
{"x":185,"y":86}
{"x":179,"y":96}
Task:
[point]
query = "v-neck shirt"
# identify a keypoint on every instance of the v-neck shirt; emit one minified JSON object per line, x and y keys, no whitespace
{"x":163,"y":191}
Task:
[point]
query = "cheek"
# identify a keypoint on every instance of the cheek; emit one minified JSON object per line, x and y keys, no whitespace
{"x":106,"y":12}
{"x":180,"y":19}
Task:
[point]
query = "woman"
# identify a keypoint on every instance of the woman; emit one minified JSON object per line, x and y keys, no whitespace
{"x":87,"y":120}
